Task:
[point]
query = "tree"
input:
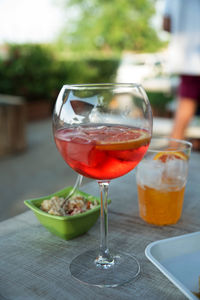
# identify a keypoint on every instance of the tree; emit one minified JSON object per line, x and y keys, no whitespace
{"x":112,"y":25}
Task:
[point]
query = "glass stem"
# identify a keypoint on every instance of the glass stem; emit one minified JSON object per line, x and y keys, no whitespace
{"x":104,"y":257}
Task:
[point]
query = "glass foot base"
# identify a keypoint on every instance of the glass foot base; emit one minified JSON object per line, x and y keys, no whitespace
{"x":123,"y":269}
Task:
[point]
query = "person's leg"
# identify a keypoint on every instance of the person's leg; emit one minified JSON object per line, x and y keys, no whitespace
{"x":184,"y":113}
{"x":189,"y":92}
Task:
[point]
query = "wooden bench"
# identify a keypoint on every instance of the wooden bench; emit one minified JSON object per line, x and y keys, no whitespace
{"x":12,"y":124}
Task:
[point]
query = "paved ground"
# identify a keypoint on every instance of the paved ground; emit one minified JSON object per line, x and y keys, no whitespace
{"x":36,"y":172}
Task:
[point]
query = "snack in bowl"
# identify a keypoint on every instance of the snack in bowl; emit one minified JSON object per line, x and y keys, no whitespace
{"x":71,"y":225}
{"x":76,"y":204}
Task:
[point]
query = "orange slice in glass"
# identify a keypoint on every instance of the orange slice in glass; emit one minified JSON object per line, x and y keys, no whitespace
{"x":133,"y":139}
{"x":166,"y":155}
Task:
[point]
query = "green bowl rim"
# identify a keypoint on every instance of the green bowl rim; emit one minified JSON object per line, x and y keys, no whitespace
{"x":30,"y":203}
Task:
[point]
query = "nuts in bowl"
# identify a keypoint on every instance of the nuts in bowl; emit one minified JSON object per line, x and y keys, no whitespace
{"x":76,"y":204}
{"x":68,"y":221}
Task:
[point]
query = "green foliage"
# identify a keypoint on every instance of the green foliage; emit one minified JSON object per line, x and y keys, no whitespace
{"x":37,"y":71}
{"x":93,"y":70}
{"x":112,"y":25}
{"x":28,"y":71}
{"x":159,"y":101}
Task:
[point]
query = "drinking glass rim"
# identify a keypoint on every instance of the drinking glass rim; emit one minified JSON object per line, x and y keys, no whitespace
{"x":185,"y":143}
{"x":101,"y":85}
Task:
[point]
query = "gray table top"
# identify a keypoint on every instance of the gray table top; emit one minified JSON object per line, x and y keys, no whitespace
{"x":34,"y":264}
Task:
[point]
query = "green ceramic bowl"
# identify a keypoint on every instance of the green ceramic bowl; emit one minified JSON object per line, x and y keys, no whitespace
{"x":66,"y":227}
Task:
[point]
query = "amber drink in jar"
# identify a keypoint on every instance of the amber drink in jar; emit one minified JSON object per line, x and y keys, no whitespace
{"x":161,"y":180}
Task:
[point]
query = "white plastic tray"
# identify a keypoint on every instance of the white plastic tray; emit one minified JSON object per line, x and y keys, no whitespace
{"x":178,"y":258}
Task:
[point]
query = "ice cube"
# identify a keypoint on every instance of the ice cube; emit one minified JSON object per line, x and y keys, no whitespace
{"x":149,"y":173}
{"x":176,"y":169}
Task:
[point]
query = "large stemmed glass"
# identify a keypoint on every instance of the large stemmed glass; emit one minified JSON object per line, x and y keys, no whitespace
{"x":102,"y":132}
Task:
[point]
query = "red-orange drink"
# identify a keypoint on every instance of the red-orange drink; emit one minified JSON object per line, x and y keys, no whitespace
{"x":102,"y":152}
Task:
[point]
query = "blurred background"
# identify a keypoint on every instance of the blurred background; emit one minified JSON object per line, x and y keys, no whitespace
{"x":47,"y":43}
